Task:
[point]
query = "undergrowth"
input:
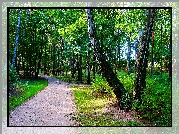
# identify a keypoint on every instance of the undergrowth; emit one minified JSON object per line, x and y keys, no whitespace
{"x":156,"y":100}
{"x":90,"y":109}
{"x":28,"y":88}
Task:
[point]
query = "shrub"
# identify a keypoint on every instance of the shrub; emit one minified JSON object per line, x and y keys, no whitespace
{"x":100,"y":85}
{"x":15,"y":85}
{"x":127,"y":81}
{"x":13,"y":77}
{"x":156,"y":101}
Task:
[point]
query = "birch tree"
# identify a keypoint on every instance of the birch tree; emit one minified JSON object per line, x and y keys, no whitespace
{"x":17,"y":38}
{"x":142,"y":59}
{"x":105,"y":67}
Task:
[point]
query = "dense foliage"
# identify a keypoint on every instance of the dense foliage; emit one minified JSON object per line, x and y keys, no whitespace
{"x":56,"y":42}
{"x":156,"y":100}
{"x":29,"y":89}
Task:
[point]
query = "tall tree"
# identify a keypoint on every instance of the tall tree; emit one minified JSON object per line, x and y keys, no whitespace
{"x":142,"y":59}
{"x":17,"y":38}
{"x":106,"y":69}
{"x":128,"y":55}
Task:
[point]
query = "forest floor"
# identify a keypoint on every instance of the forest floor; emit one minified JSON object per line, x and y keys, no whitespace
{"x":52,"y":106}
{"x":55,"y":106}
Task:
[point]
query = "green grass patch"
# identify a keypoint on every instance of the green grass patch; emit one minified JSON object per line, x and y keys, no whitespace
{"x":90,"y":109}
{"x":156,"y":100}
{"x":34,"y":86}
{"x":155,"y":107}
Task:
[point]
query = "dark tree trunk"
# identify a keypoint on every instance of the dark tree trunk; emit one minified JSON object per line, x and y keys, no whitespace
{"x":72,"y":70}
{"x":142,"y":60}
{"x":62,"y":58}
{"x":44,"y":59}
{"x":23,"y":65}
{"x":115,"y":64}
{"x":16,"y":63}
{"x":33,"y":65}
{"x":78,"y":68}
{"x":58,"y":65}
{"x":35,"y":59}
{"x":72,"y":65}
{"x":79,"y":63}
{"x":40,"y":58}
{"x":161,"y":54}
{"x":118,"y":65}
{"x":118,"y":88}
{"x":88,"y":63}
{"x":106,"y":70}
{"x":54,"y":59}
{"x":41,"y":51}
{"x":136,"y":55}
{"x":35,"y":68}
{"x":94,"y":65}
{"x":153,"y":42}
{"x":152,"y":61}
{"x":128,"y":57}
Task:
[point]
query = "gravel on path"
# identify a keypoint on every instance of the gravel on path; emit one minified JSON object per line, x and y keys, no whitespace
{"x":53,"y":106}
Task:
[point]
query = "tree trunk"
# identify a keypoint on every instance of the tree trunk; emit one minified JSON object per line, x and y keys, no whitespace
{"x":152,"y":61}
{"x":17,"y":38}
{"x":106,"y":70}
{"x":54,"y":60}
{"x":136,"y":54}
{"x":161,"y":55}
{"x":94,"y":66}
{"x":128,"y":57}
{"x":58,"y":65}
{"x":142,"y":60}
{"x":79,"y":68}
{"x":45,"y":63}
{"x":88,"y":63}
{"x":153,"y":42}
{"x":118,"y":65}
{"x":72,"y":65}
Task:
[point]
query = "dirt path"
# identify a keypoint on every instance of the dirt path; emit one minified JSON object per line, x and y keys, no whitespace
{"x":53,"y":106}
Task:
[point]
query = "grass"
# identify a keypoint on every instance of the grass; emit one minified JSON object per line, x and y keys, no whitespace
{"x":34,"y":86}
{"x":156,"y":106}
{"x":90,"y":109}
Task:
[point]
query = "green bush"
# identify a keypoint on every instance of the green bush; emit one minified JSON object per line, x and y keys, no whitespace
{"x":33,"y":86}
{"x":13,"y":77}
{"x":100,"y":85}
{"x":15,"y":85}
{"x":156,"y":101}
{"x":127,"y":81}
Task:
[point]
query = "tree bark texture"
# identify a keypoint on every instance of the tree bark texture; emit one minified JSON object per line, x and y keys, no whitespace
{"x":142,"y":58}
{"x":105,"y":67}
{"x":17,"y":38}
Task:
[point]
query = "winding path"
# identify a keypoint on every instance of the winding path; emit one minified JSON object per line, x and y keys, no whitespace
{"x":53,"y":106}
